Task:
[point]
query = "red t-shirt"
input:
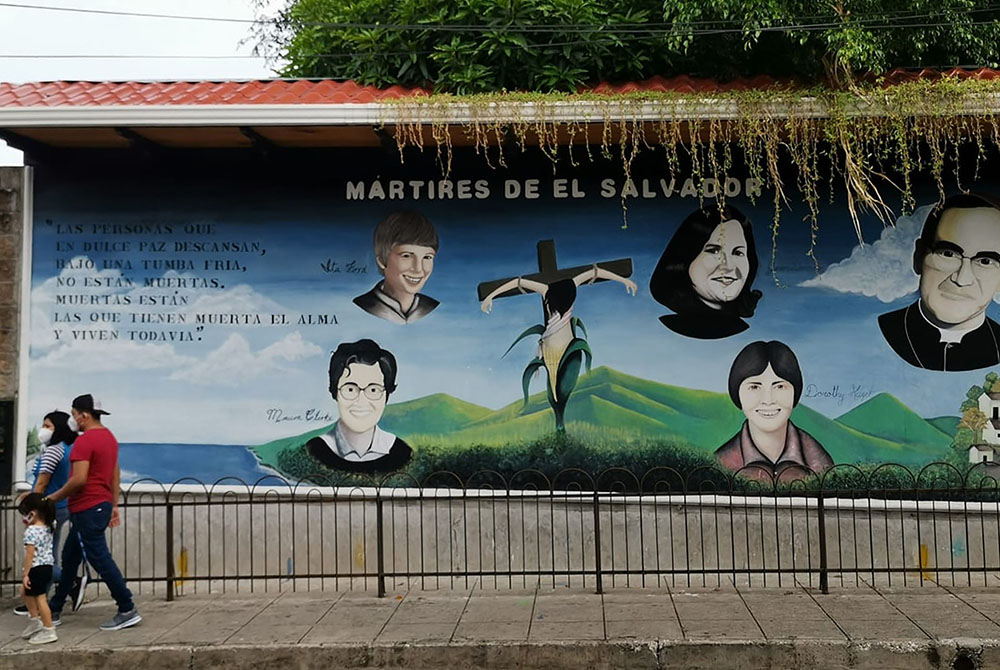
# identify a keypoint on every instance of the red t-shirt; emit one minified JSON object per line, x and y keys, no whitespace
{"x":99,"y":447}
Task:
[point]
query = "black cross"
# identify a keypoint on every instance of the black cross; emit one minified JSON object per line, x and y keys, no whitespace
{"x":549,"y":271}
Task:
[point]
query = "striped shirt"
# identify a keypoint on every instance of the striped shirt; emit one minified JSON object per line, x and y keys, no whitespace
{"x":49,"y":460}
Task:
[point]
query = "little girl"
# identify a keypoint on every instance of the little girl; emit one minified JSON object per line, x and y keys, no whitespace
{"x":39,"y":516}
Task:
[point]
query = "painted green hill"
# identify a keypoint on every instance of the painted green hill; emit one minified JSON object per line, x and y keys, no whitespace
{"x":610,"y":406}
{"x":439,"y":412}
{"x":432,"y":413}
{"x":849,"y":445}
{"x":885,"y":416}
{"x":620,"y":406}
{"x":612,"y":410}
{"x":946,"y":424}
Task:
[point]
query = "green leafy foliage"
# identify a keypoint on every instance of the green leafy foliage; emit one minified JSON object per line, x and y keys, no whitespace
{"x":471,"y":46}
{"x":838,"y":38}
{"x":543,"y":457}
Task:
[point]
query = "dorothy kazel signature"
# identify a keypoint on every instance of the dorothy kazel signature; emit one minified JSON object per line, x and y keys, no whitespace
{"x":839,"y":393}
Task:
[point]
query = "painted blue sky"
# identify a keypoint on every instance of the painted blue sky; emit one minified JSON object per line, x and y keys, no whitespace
{"x":218,"y":389}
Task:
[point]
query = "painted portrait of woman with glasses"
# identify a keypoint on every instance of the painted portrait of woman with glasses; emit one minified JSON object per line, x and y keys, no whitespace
{"x":957,"y":258}
{"x":362,"y":376}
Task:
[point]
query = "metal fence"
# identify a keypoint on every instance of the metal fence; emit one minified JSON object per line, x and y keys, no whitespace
{"x":850,"y":527}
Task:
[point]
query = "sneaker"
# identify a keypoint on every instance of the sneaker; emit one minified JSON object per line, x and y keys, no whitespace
{"x":44,"y":636}
{"x":122,"y":620}
{"x":21,"y":610}
{"x":56,"y":619}
{"x":34,"y":625}
{"x":78,"y":590}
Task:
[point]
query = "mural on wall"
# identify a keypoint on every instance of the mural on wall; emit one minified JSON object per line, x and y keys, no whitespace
{"x":362,"y":376}
{"x":957,"y":258}
{"x":247,"y":315}
{"x":765,"y":382}
{"x":561,"y":351}
{"x":405,"y":246}
{"x":706,"y":274}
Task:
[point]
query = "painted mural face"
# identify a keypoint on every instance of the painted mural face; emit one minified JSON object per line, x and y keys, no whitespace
{"x":405,"y":245}
{"x":961,"y":272}
{"x":767,"y":400}
{"x":407,"y":269}
{"x":957,"y":258}
{"x":361,"y":397}
{"x":719,"y":271}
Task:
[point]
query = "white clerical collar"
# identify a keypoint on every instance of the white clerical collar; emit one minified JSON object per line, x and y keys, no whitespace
{"x":381,"y":445}
{"x":392,"y":303}
{"x":951,"y":335}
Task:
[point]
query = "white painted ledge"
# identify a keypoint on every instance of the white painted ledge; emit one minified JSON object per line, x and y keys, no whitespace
{"x":367,"y":114}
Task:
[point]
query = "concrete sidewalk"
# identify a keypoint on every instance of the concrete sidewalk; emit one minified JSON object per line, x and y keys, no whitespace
{"x":729,"y":627}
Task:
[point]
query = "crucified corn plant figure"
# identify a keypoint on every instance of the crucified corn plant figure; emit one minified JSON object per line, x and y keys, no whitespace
{"x":562,"y":339}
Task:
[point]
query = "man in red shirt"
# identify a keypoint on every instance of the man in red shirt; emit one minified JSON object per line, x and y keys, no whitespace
{"x":92,"y":490}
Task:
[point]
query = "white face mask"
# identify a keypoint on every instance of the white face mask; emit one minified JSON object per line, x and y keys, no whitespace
{"x":45,"y":435}
{"x":73,"y":425}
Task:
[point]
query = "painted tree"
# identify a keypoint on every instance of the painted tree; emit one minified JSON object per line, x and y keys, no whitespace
{"x":974,"y":420}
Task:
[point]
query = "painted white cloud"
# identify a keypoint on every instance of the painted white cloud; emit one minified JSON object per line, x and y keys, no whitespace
{"x":107,"y":356}
{"x":102,"y":290}
{"x":882,"y":270}
{"x":110,"y":295}
{"x":240,"y":299}
{"x":234,"y":363}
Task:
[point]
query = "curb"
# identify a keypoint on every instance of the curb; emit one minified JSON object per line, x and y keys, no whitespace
{"x":956,"y":654}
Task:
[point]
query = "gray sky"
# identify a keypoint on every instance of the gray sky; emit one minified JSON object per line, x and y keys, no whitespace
{"x":40,"y":32}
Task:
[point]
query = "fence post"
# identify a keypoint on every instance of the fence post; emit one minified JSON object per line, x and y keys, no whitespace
{"x":597,"y":542}
{"x":170,"y":552}
{"x":379,"y":554}
{"x":824,"y":572}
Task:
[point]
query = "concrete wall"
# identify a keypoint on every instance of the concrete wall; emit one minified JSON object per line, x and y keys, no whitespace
{"x":311,"y":543}
{"x":12,"y":199}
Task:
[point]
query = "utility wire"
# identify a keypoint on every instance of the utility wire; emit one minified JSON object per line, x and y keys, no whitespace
{"x":143,"y":57}
{"x":856,"y":20}
{"x":542,"y":45}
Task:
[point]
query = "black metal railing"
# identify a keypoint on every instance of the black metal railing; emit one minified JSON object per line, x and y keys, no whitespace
{"x":849,"y":527}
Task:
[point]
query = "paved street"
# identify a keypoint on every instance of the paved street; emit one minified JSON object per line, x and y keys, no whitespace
{"x":925,"y":621}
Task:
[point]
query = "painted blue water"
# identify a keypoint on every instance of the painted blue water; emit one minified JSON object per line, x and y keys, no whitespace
{"x":207,"y":463}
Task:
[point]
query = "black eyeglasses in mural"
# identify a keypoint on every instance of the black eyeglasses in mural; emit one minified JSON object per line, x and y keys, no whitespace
{"x":406,"y":245}
{"x":957,"y":257}
{"x":362,"y":376}
{"x":765,"y":382}
{"x":706,"y":274}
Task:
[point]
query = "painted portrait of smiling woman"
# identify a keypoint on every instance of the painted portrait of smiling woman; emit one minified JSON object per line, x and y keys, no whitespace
{"x":362,"y":376}
{"x":706,"y":274}
{"x":765,"y":381}
{"x":406,"y":245}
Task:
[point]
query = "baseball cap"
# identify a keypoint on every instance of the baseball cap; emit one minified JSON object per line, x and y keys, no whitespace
{"x":88,"y":403}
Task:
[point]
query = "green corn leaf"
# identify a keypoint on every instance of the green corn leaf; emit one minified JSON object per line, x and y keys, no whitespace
{"x":576,"y":346}
{"x":537,"y":329}
{"x":526,"y":377}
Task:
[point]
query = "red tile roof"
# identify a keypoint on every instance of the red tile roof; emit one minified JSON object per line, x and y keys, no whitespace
{"x":685,"y":84}
{"x":324,"y":91}
{"x":902,"y":75}
{"x":271,"y":92}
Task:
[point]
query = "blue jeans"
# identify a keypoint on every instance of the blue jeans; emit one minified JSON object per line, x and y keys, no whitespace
{"x":88,"y":530}
{"x":62,"y":516}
